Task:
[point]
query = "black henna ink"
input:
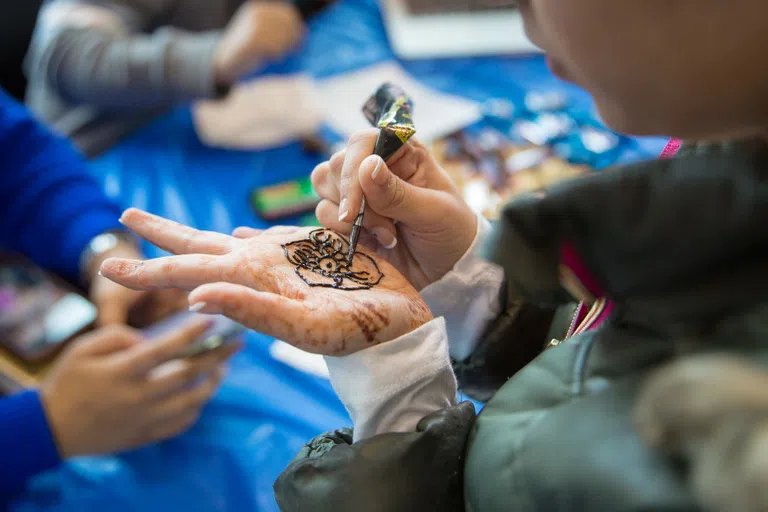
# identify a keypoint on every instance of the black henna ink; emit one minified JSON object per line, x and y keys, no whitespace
{"x":324,"y":254}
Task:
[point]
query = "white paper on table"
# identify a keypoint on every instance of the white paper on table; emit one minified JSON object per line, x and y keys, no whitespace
{"x":435,"y":114}
{"x":261,"y":113}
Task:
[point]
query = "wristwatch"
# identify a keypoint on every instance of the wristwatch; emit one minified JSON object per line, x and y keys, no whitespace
{"x":100,"y":245}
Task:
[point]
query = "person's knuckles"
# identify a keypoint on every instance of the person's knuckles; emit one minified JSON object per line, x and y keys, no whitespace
{"x":208,"y":363}
{"x":359,"y":146}
{"x":113,"y":337}
{"x":326,"y":188}
{"x":320,"y":174}
{"x":362,"y":139}
{"x":393,"y":193}
{"x":327,"y":213}
{"x":336,"y":161}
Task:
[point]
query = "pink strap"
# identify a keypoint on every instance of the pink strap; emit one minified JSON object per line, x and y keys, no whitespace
{"x":673,"y":146}
{"x":569,"y":258}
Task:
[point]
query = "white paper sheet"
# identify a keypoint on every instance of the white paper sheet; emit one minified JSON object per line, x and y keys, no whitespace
{"x":435,"y":114}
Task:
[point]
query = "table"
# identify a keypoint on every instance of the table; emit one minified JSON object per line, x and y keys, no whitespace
{"x":266,"y":409}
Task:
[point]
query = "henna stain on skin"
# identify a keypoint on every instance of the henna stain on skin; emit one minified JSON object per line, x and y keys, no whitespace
{"x":417,"y":308}
{"x":381,"y":316}
{"x":365,"y":325}
{"x":419,"y":312}
{"x":321,"y":260}
{"x":369,"y":320}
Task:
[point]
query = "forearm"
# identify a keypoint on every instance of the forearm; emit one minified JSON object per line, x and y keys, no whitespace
{"x":26,"y":442}
{"x":107,"y":62}
{"x":50,"y":207}
{"x":393,"y":386}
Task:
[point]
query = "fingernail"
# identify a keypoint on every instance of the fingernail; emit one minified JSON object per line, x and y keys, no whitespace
{"x":376,"y":169}
{"x":343,"y":210}
{"x":195,"y":308}
{"x":386,"y":239}
{"x":99,"y":274}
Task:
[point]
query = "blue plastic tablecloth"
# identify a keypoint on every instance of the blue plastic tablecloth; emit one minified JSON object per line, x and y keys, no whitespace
{"x":265,"y":410}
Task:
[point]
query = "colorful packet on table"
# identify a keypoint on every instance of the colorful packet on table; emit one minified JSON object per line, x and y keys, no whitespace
{"x":284,"y":199}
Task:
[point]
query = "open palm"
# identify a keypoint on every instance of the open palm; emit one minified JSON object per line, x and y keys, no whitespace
{"x":288,"y":282}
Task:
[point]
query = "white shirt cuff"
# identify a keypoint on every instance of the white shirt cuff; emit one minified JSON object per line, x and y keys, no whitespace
{"x":390,"y":387}
{"x":467,"y":296}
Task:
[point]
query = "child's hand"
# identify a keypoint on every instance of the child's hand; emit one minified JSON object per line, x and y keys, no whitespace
{"x":102,"y":394}
{"x":258,"y":31}
{"x":432,"y":227}
{"x":264,"y":285}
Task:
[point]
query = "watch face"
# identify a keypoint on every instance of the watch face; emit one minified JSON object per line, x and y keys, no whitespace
{"x":103,"y":243}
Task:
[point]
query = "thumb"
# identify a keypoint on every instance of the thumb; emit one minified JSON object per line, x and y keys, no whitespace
{"x":389,"y":195}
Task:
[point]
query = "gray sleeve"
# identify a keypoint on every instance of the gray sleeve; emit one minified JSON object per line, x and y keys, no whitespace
{"x":95,"y":53}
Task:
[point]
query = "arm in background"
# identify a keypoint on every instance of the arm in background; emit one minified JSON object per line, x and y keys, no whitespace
{"x":50,"y":207}
{"x":94,"y":52}
{"x":26,"y":442}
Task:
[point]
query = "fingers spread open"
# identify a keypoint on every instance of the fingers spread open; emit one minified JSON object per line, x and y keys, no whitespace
{"x":174,"y":237}
{"x":186,"y":272}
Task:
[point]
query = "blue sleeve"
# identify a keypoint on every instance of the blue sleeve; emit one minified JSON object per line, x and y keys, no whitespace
{"x":50,"y":208}
{"x":26,"y":443}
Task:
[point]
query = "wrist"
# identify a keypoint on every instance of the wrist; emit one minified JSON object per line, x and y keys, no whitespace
{"x":57,"y":423}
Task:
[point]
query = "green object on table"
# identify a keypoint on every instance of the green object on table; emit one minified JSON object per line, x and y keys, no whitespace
{"x":284,"y":199}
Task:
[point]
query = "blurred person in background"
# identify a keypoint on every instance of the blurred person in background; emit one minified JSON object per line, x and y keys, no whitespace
{"x":102,"y":393}
{"x":55,"y":214}
{"x":98,"y":69}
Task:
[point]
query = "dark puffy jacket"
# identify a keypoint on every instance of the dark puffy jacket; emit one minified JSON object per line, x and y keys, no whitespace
{"x":680,"y":248}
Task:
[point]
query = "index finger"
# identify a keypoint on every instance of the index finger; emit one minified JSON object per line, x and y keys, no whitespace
{"x":154,"y":353}
{"x":359,"y":147}
{"x":174,"y":237}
